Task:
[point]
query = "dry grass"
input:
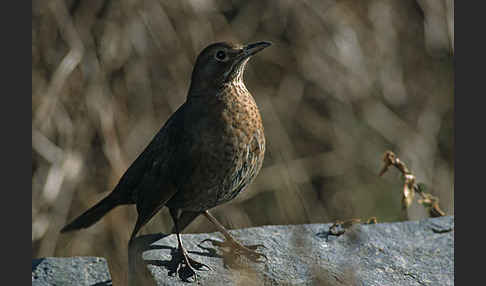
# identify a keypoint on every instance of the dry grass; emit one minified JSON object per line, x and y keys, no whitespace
{"x":343,"y":82}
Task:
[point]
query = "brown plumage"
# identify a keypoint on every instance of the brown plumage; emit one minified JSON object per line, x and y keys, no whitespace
{"x":207,"y":152}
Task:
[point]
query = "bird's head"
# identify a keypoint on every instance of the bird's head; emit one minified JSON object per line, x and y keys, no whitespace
{"x":222,"y":63}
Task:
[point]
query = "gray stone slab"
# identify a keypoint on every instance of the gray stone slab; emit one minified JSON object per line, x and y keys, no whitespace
{"x":70,"y":271}
{"x":404,"y":253}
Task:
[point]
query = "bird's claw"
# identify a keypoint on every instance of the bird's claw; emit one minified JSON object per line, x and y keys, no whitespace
{"x":198,"y":265}
{"x":239,"y":249}
{"x":186,"y":267}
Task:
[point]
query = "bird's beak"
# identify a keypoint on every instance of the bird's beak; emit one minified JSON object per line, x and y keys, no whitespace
{"x":254,"y":48}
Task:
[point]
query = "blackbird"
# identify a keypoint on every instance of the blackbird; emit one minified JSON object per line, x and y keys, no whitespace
{"x":207,"y":152}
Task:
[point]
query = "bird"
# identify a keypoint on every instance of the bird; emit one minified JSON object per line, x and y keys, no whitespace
{"x":208,"y":151}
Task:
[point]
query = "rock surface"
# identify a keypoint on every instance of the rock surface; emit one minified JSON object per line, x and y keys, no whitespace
{"x":70,"y":271}
{"x":405,"y":253}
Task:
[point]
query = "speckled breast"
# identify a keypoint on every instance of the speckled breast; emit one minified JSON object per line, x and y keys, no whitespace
{"x":232,"y":154}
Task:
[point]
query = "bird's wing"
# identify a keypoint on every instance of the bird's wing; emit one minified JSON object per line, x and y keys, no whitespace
{"x":154,"y":177}
{"x":151,"y":169}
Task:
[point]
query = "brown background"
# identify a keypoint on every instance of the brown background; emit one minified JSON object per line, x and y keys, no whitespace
{"x":343,"y":82}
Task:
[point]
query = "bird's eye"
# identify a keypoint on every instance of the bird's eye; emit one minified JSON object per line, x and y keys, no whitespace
{"x":220,"y":55}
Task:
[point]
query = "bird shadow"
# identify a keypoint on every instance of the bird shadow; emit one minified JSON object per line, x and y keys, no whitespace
{"x":137,"y":264}
{"x":104,"y":283}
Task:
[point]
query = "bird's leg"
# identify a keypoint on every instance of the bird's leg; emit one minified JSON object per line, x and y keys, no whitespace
{"x":188,"y":261}
{"x":185,"y":263}
{"x":237,"y":248}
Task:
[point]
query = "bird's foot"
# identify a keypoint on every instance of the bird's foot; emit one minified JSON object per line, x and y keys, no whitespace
{"x":186,"y":266}
{"x":238,"y":249}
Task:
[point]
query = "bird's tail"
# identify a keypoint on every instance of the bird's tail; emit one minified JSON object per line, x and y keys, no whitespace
{"x":94,"y":214}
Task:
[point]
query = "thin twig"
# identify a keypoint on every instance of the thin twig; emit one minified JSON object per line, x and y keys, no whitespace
{"x":411,"y":187}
